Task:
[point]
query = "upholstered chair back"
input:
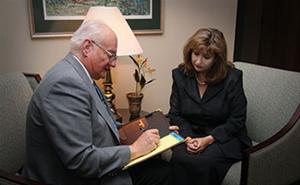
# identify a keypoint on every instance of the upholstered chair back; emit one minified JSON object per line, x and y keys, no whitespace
{"x":273,"y":96}
{"x":273,"y":124}
{"x":15,"y":93}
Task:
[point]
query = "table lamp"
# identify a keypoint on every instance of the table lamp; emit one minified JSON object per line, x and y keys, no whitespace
{"x":127,"y":43}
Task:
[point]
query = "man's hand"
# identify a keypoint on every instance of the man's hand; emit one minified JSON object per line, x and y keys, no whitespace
{"x":145,"y":143}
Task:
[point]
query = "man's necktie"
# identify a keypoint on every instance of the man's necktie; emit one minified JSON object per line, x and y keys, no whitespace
{"x":99,"y":93}
{"x":102,"y":98}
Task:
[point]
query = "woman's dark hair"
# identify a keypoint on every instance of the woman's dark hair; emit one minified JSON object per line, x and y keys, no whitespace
{"x":215,"y":42}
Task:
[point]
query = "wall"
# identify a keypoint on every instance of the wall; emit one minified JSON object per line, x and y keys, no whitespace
{"x":181,"y":19}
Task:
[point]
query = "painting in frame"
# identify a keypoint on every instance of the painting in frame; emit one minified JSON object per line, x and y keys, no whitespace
{"x":60,"y":18}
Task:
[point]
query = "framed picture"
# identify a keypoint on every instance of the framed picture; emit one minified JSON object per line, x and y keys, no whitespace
{"x":60,"y":18}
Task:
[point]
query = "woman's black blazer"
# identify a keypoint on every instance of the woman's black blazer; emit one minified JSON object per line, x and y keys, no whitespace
{"x":221,"y":112}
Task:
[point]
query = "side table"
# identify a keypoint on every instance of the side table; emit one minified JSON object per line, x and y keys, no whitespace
{"x":126,"y":115}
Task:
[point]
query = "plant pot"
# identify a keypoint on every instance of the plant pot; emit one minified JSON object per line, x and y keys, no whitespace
{"x":135,"y":104}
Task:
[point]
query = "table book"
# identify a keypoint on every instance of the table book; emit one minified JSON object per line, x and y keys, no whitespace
{"x":130,"y":131}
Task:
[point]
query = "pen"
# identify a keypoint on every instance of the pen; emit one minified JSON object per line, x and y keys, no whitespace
{"x":142,"y":129}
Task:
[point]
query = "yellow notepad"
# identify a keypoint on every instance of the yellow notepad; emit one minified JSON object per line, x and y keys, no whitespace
{"x":165,"y":143}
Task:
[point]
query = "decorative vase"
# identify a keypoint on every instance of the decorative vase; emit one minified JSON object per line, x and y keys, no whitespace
{"x":135,"y":104}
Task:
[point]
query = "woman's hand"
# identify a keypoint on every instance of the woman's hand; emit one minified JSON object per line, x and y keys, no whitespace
{"x":195,"y":145}
{"x":174,"y":128}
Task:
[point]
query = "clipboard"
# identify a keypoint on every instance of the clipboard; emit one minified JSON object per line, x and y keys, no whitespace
{"x":170,"y":140}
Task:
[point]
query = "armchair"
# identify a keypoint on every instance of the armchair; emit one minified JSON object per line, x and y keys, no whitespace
{"x":273,"y":123}
{"x":16,"y":90}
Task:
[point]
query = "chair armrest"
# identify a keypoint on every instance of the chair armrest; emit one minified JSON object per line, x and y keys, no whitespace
{"x":9,"y":179}
{"x":275,"y":160}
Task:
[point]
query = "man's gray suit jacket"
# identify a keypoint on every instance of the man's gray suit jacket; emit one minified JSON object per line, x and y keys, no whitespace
{"x":71,"y":137}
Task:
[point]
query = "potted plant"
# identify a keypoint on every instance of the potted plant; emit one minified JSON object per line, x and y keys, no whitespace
{"x":135,"y":98}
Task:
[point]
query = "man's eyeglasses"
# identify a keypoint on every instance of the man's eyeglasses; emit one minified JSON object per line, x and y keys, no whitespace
{"x":111,"y":56}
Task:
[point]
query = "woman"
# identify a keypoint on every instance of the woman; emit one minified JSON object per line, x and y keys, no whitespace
{"x":209,"y":106}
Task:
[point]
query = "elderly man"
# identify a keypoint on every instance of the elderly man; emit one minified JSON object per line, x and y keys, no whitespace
{"x":71,"y":136}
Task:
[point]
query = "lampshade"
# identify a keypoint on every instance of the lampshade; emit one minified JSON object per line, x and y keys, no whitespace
{"x":127,"y":42}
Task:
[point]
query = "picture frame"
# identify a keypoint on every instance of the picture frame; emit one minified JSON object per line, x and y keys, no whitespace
{"x":41,"y":28}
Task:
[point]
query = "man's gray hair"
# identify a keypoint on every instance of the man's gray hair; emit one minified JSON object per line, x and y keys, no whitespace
{"x":93,"y":29}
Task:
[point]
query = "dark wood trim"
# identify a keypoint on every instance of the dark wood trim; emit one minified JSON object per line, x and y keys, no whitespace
{"x":18,"y":179}
{"x":35,"y":75}
{"x":244,"y":170}
{"x":246,"y":153}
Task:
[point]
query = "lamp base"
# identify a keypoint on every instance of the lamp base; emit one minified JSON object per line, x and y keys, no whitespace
{"x":110,"y":96}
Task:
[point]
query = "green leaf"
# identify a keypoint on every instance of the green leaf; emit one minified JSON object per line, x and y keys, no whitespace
{"x":136,"y":76}
{"x":150,"y":81}
{"x":142,"y":82}
{"x":135,"y":62}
